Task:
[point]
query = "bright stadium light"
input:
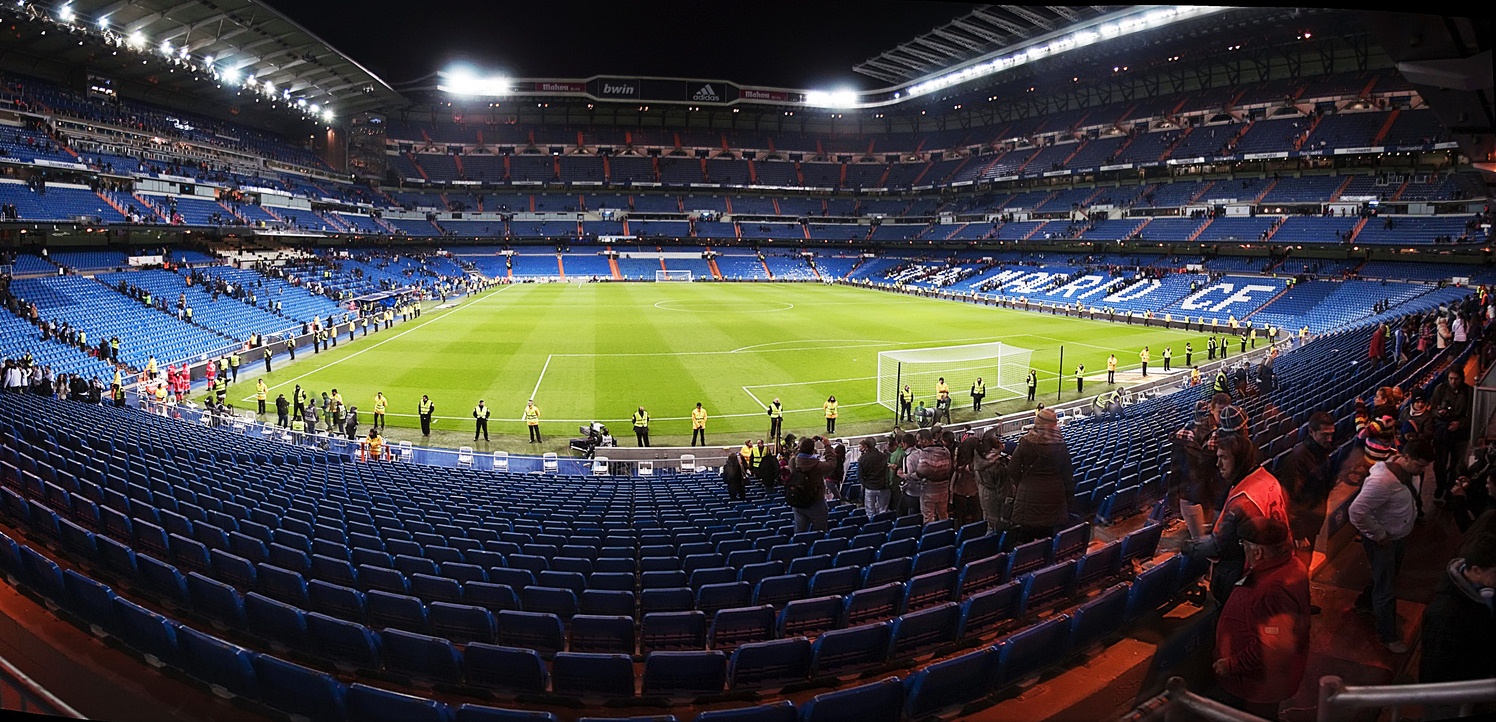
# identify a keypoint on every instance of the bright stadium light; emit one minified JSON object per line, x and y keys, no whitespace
{"x":463,"y":81}
{"x":1112,"y":26}
{"x":230,"y":75}
{"x":104,"y":23}
{"x":137,"y":40}
{"x":327,"y":115}
{"x":832,"y":98}
{"x":65,"y":14}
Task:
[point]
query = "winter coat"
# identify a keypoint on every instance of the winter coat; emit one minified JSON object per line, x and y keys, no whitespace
{"x":872,"y":470}
{"x":1306,"y":477}
{"x":1259,"y":495}
{"x":816,"y":469}
{"x":1263,"y":632}
{"x":1042,"y":478}
{"x":1459,"y":631}
{"x":1383,"y":509}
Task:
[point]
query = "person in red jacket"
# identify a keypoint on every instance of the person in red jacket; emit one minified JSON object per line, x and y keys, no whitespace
{"x":1262,"y":637}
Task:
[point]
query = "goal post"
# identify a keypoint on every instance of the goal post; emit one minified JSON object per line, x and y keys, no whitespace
{"x":1002,"y":367}
{"x":664,"y":275}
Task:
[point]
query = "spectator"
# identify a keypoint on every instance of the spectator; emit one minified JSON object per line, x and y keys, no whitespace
{"x":964,"y":505}
{"x":732,"y":475}
{"x":1262,"y":637}
{"x":1459,"y":627}
{"x":1451,"y":432}
{"x":1306,"y":478}
{"x":1193,"y":468}
{"x":815,"y":468}
{"x":872,"y":473}
{"x":1043,"y":481}
{"x":994,"y":487}
{"x":1378,"y":346}
{"x":1252,"y":494}
{"x":1383,"y":515}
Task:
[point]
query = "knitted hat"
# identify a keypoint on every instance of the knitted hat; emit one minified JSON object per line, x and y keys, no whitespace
{"x":1263,"y":530}
{"x":1379,"y":448}
{"x":1046,"y":417}
{"x":1233,"y":420}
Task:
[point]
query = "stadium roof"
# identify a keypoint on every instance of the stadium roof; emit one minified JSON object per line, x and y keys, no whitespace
{"x":245,"y":36}
{"x":987,"y":28}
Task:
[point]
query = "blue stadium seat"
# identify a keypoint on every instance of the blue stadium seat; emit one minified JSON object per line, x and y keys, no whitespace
{"x":217,"y":600}
{"x":480,"y":713}
{"x":1098,"y":565}
{"x":712,"y":575}
{"x":509,"y":668}
{"x":1098,"y":618}
{"x":380,"y":705}
{"x":551,"y":600}
{"x":284,"y":626}
{"x":1045,"y":586}
{"x":914,"y":631}
{"x":1032,"y":649}
{"x":933,"y":560}
{"x":990,"y":609}
{"x":776,"y":662}
{"x":929,"y":589}
{"x":673,"y":599}
{"x":581,"y":674}
{"x":493,"y":597}
{"x":160,"y":578}
{"x":147,"y":632}
{"x":602,"y":634}
{"x":421,"y":656}
{"x":430,"y":588}
{"x":684,"y":673}
{"x":462,"y":623}
{"x":810,"y":565}
{"x":336,"y":601}
{"x":1141,"y":544}
{"x":810,"y":616}
{"x":948,"y":683}
{"x":598,"y":601}
{"x":872,"y":604}
{"x":716,"y":597}
{"x":781,"y":711}
{"x":350,"y":645}
{"x":91,"y":601}
{"x":372,"y":578}
{"x":881,"y":701}
{"x":838,"y":580}
{"x":396,"y":611}
{"x":1029,"y":557}
{"x":536,"y":630}
{"x":842,"y":649}
{"x":1153,"y":587}
{"x":780,"y":590}
{"x":980,"y":574}
{"x":296,"y":690}
{"x":663,"y":579}
{"x":741,"y":625}
{"x":1071,"y":543}
{"x":672,"y":631}
{"x":227,"y":669}
{"x":573,"y":581}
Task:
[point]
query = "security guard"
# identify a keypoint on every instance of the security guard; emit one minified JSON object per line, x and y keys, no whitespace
{"x":1168,"y":357}
{"x":117,"y":392}
{"x":481,"y":414}
{"x":1222,"y":385}
{"x":1210,"y":348}
{"x":1080,"y":379}
{"x":376,"y":445}
{"x":1144,"y":356}
{"x":260,"y":391}
{"x":425,"y":410}
{"x":267,"y":354}
{"x":941,"y":387}
{"x":298,"y":401}
{"x":1194,"y":376}
{"x":1189,"y":353}
{"x":363,"y":323}
{"x":1033,"y":384}
{"x":291,"y":345}
{"x":1111,"y":369}
{"x":380,"y":405}
{"x":282,"y":411}
{"x":776,"y":419}
{"x":978,"y":392}
{"x":641,"y":427}
{"x":1252,"y":336}
{"x":906,"y":403}
{"x":234,"y":361}
{"x":698,"y":424}
{"x":532,"y":420}
{"x":221,"y":388}
{"x":830,"y":408}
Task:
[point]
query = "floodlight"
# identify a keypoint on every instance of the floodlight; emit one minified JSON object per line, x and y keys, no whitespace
{"x":166,"y":48}
{"x":104,"y":23}
{"x":832,"y":98}
{"x":463,"y":81}
{"x":230,"y":75}
{"x":327,"y":115}
{"x":137,"y":40}
{"x":65,"y":14}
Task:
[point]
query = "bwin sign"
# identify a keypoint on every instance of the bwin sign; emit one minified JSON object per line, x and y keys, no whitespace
{"x":1199,"y":300}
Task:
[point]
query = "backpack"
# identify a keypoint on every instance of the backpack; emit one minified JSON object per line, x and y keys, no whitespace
{"x":934,"y":464}
{"x":798,"y":491}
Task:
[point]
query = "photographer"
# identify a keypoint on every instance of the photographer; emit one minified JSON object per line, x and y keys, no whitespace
{"x":806,"y":489}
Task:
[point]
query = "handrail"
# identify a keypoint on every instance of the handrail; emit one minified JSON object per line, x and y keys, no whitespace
{"x":1337,"y":698}
{"x":1176,"y":693}
{"x":33,"y":697}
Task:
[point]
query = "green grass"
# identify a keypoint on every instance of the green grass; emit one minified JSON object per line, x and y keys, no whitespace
{"x":596,"y":351}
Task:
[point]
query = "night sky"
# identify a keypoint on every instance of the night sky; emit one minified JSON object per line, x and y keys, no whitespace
{"x":769,"y":42}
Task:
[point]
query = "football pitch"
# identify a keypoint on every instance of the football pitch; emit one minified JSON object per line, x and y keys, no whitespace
{"x":595,"y":352}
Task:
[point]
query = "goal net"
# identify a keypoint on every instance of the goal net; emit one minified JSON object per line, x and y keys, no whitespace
{"x":672,"y":275}
{"x":1001,"y":367}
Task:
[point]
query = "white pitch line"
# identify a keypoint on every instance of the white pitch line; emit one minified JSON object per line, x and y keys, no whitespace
{"x":817,"y":409}
{"x":375,"y":345}
{"x":547,"y":365}
{"x":751,"y":396}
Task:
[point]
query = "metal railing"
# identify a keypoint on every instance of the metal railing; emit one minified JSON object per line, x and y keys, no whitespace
{"x":1337,"y":699}
{"x":20,"y":693}
{"x":1176,"y":696}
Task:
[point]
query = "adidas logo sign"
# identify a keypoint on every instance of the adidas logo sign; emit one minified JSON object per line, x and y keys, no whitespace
{"x":707,"y":94}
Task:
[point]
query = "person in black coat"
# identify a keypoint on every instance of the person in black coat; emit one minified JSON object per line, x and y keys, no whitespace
{"x":732,"y":474}
{"x":1459,"y":623}
{"x":1043,"y":481}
